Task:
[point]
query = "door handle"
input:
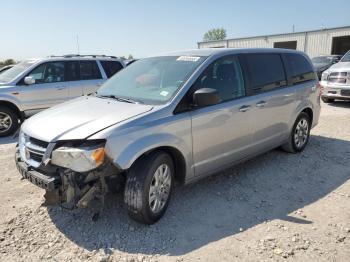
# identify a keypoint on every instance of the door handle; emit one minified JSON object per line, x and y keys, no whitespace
{"x":61,"y":88}
{"x":261,"y":104}
{"x":244,"y":108}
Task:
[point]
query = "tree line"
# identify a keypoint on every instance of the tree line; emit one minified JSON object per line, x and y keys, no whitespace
{"x":7,"y":62}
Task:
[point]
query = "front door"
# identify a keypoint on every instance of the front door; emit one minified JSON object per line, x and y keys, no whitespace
{"x":49,"y":89}
{"x":222,"y":133}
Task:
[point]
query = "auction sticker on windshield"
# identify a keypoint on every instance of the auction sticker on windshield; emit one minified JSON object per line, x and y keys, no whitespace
{"x":188,"y":58}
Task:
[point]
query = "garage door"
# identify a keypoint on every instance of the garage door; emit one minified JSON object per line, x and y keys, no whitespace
{"x":340,"y":45}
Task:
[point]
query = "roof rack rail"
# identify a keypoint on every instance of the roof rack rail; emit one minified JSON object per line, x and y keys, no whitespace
{"x":77,"y":55}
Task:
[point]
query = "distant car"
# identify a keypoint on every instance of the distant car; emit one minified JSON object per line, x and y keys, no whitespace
{"x":5,"y":68}
{"x":336,"y":81}
{"x":37,"y":84}
{"x":322,"y":63}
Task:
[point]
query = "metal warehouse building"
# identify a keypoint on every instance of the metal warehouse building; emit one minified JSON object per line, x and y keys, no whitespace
{"x":318,"y":42}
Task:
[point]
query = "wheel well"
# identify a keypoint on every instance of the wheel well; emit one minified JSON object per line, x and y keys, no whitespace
{"x":178,"y":160}
{"x":13,"y":107}
{"x":308,"y":111}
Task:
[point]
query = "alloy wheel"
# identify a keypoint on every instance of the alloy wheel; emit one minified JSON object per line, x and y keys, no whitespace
{"x":160,"y":188}
{"x":301,"y":133}
{"x":5,"y":122}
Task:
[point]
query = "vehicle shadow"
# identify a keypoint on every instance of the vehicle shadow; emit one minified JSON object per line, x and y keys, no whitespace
{"x":342,"y":104}
{"x":8,"y":140}
{"x":268,"y":187}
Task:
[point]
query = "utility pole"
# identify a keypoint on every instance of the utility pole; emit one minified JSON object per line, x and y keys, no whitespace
{"x":78,"y":49}
{"x":293,"y":28}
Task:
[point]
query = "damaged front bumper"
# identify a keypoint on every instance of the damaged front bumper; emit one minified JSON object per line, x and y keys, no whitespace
{"x":64,"y":186}
{"x":49,"y":183}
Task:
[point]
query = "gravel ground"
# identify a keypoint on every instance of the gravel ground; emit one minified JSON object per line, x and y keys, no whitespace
{"x":278,"y":206}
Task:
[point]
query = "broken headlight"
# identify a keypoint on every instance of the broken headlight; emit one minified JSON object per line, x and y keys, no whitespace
{"x":82,"y":158}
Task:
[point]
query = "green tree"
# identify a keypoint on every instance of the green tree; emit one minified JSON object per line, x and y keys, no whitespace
{"x":9,"y":62}
{"x":215,"y":34}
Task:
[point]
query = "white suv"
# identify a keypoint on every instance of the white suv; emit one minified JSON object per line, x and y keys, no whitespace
{"x":37,"y":84}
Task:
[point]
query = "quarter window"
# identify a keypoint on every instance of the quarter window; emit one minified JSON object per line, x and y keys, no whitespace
{"x":48,"y":73}
{"x":89,"y":70}
{"x":302,"y":70}
{"x":224,"y":75}
{"x":111,"y":67}
{"x":266,"y":72}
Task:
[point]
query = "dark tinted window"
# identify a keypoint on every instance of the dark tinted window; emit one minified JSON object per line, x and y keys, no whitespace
{"x":111,"y":67}
{"x":266,"y":72}
{"x":89,"y":70}
{"x":72,"y":70}
{"x":301,"y":69}
{"x":224,"y":75}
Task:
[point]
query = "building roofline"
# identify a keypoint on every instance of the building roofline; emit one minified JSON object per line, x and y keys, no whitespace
{"x":281,"y":34}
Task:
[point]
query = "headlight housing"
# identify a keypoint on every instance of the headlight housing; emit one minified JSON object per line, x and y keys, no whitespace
{"x":325,"y":75}
{"x":82,"y":158}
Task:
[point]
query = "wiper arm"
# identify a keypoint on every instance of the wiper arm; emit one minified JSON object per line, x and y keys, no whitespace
{"x":121,"y":99}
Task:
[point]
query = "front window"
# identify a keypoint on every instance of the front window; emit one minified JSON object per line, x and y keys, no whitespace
{"x":48,"y":73}
{"x":346,"y":57}
{"x":152,"y":80}
{"x":16,"y":70}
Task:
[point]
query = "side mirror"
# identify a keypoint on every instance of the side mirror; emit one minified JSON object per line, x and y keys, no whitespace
{"x":206,"y":97}
{"x":29,"y":80}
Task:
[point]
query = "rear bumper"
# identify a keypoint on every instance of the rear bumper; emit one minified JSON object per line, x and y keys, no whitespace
{"x":49,"y":183}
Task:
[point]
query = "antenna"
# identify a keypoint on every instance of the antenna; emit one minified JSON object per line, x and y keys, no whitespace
{"x":78,"y":51}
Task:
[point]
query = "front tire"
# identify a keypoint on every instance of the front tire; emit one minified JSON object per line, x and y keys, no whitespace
{"x":148,"y":187}
{"x":327,"y":100}
{"x":300,"y":134}
{"x":8,"y":121}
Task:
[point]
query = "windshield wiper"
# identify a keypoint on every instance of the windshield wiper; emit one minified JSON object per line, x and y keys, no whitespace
{"x":121,"y":99}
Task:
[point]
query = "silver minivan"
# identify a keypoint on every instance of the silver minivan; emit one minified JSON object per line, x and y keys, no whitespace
{"x":172,"y":118}
{"x":37,"y":84}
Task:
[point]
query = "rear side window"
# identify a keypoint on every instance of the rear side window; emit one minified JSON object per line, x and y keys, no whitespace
{"x":266,"y":72}
{"x":111,"y":67}
{"x":72,"y":70}
{"x":301,"y":69}
{"x":89,"y":70}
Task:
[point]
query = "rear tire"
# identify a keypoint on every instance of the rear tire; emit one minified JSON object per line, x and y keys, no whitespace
{"x":8,"y":121}
{"x":327,"y":100}
{"x":299,"y":136}
{"x":146,"y":196}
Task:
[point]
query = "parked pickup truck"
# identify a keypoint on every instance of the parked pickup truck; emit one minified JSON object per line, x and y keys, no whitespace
{"x":336,"y":81}
{"x":37,"y":84}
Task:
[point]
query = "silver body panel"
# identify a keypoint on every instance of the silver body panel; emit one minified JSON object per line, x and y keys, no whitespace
{"x":337,"y":86}
{"x":209,"y":138}
{"x":31,"y":99}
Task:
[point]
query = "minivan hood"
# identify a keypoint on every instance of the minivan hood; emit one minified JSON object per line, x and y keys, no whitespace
{"x":341,"y":66}
{"x":80,"y":118}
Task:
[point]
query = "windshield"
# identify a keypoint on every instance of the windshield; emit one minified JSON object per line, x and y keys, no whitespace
{"x":346,"y":57}
{"x":13,"y":72}
{"x":152,"y":80}
{"x":323,"y":59}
